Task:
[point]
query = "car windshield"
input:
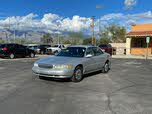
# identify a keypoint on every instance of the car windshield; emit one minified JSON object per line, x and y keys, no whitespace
{"x":72,"y":52}
{"x":55,"y":46}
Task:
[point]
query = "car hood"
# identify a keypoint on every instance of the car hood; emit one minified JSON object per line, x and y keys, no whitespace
{"x":52,"y":48}
{"x":59,"y":60}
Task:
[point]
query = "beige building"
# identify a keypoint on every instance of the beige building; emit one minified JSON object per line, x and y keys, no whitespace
{"x":136,"y":39}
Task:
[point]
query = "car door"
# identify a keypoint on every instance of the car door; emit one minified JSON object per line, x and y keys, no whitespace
{"x":21,"y":51}
{"x":90,"y":64}
{"x":99,"y":57}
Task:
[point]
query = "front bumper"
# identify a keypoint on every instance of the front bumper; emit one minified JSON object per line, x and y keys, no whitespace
{"x":54,"y":73}
{"x":4,"y":55}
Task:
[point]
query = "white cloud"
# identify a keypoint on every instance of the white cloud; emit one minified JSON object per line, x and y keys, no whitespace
{"x":130,"y":22}
{"x":53,"y":22}
{"x":125,"y":20}
{"x":145,"y":15}
{"x":111,"y":16}
{"x":76,"y":23}
{"x":130,"y":3}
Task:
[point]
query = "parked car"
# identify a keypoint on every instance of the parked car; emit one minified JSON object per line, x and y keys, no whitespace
{"x":34,"y":48}
{"x":42,"y":49}
{"x":55,"y":49}
{"x":107,"y":48}
{"x":15,"y":50}
{"x":73,"y":62}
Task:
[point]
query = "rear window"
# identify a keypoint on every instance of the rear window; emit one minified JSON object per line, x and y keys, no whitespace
{"x":103,"y":46}
{"x":56,"y":46}
{"x":2,"y":46}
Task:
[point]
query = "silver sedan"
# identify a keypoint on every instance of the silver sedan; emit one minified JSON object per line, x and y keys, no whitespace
{"x":73,"y":62}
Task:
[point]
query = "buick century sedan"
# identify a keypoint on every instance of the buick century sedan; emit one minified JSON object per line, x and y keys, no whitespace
{"x":73,"y":62}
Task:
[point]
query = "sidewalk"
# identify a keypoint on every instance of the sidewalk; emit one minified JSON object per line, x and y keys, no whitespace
{"x":131,"y":56}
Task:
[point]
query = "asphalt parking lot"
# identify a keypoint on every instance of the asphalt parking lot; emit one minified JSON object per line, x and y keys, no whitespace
{"x":126,"y":89}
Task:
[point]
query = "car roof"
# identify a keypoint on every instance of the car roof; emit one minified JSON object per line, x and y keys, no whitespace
{"x":10,"y":44}
{"x":83,"y":46}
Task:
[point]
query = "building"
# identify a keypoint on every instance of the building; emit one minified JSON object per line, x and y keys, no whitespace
{"x":136,"y":39}
{"x":120,"y":48}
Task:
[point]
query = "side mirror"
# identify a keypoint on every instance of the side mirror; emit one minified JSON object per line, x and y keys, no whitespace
{"x":103,"y":50}
{"x":88,"y":56}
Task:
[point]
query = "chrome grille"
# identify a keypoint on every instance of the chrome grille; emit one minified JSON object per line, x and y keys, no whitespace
{"x":45,"y":66}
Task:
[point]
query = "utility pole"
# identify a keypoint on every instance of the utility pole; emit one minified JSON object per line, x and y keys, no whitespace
{"x":8,"y":37}
{"x":93,"y":37}
{"x":15,"y":30}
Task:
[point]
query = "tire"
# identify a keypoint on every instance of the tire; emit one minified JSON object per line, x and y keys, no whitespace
{"x":78,"y":74}
{"x":41,"y":77}
{"x":42,"y":52}
{"x":55,"y":52}
{"x":32,"y":55}
{"x":106,"y":67}
{"x":11,"y":56}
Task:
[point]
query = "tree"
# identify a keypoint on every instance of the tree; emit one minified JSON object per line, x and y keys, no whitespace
{"x":104,"y":41}
{"x":87,"y":41}
{"x":76,"y":38}
{"x":47,"y":38}
{"x":66,"y":42}
{"x":114,"y":32}
{"x":2,"y":41}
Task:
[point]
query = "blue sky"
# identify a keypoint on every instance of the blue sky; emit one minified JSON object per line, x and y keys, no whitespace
{"x":68,"y":8}
{"x":73,"y":14}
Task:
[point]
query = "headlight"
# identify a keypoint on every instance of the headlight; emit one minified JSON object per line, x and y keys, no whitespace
{"x":62,"y":66}
{"x":35,"y":64}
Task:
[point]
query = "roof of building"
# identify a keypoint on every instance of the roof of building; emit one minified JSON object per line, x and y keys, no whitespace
{"x":139,"y":33}
{"x":142,"y":27}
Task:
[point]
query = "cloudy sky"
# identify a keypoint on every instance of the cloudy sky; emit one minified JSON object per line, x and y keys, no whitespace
{"x":72,"y":15}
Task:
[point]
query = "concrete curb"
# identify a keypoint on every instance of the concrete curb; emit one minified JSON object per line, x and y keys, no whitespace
{"x":130,"y":57}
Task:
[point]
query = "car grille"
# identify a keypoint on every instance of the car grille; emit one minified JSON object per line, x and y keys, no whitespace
{"x":45,"y":66}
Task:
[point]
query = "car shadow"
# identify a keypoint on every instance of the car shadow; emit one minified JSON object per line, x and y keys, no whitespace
{"x":55,"y":79}
{"x":36,"y":57}
{"x":68,"y":79}
{"x":92,"y":74}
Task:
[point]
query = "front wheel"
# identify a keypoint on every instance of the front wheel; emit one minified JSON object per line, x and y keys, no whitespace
{"x":42,"y":52}
{"x":77,"y":75}
{"x":32,"y":55}
{"x":56,"y":52}
{"x":11,"y":56}
{"x":106,"y":67}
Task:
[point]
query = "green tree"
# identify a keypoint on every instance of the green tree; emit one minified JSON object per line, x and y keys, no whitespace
{"x":66,"y":41}
{"x":21,"y":41}
{"x":47,"y":38}
{"x":104,"y":41}
{"x":87,"y":41}
{"x":114,"y":32}
{"x":2,"y":41}
{"x":76,"y":38}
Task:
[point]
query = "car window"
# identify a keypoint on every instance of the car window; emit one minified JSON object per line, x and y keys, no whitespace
{"x":2,"y":46}
{"x":97,"y":51}
{"x":10,"y":46}
{"x":21,"y":46}
{"x":56,"y":46}
{"x":103,"y":46}
{"x":72,"y":52}
{"x":89,"y":51}
{"x":109,"y":46}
